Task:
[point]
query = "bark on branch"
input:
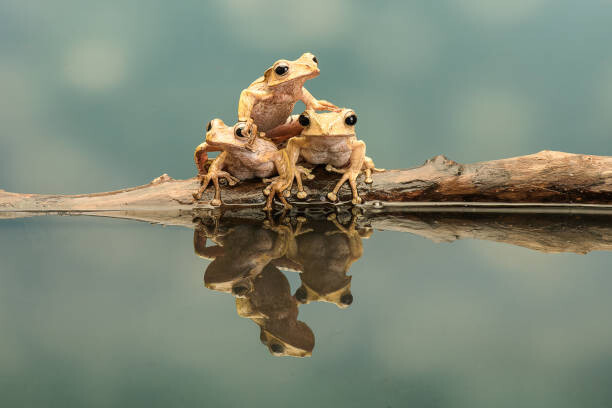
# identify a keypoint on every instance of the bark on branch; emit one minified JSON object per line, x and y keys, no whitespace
{"x":544,"y":177}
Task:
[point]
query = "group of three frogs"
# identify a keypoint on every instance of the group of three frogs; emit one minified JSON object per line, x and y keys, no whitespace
{"x":269,"y":142}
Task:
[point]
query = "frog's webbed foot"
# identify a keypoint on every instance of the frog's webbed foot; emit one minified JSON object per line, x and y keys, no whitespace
{"x":349,"y":174}
{"x":299,"y":171}
{"x":278,"y":187}
{"x":368,"y":168}
{"x":323,"y":105}
{"x":214,"y":175}
{"x":266,"y":191}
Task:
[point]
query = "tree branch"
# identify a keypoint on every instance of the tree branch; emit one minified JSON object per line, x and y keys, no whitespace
{"x":544,"y":177}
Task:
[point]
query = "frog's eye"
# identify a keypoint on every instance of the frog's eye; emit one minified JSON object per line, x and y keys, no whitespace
{"x":277,"y":348}
{"x":301,"y":295}
{"x":281,"y":69}
{"x":239,"y":290}
{"x":351,"y":120}
{"x":316,"y":61}
{"x":346,"y":299}
{"x":209,"y":126}
{"x":238,"y":131}
{"x":304,"y":121}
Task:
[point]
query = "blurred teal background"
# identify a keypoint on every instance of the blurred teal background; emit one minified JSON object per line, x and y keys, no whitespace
{"x":98,"y":96}
{"x":102,"y":95}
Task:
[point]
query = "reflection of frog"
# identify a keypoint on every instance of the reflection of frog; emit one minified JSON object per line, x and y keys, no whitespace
{"x":240,"y":254}
{"x":326,"y":258}
{"x":329,"y":138}
{"x":244,"y":156}
{"x":243,"y":265}
{"x":269,"y":100}
{"x":275,"y":311}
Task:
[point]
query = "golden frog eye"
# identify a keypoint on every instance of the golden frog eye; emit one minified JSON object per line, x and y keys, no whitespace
{"x":351,"y":120}
{"x":304,"y":121}
{"x":209,"y":126}
{"x":316,"y":61}
{"x":238,"y":131}
{"x":281,"y":70}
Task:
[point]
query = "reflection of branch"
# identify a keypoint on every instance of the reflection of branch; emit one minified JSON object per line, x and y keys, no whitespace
{"x":542,"y":232}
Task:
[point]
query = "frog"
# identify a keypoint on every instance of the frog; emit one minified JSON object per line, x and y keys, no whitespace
{"x":326,"y":255}
{"x":329,"y":138}
{"x":271,"y":306}
{"x":269,"y":101}
{"x":244,"y":155}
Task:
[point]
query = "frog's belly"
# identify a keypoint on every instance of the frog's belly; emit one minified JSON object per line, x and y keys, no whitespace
{"x":237,"y":169}
{"x":336,"y":159}
{"x":269,"y":115}
{"x":327,"y":150}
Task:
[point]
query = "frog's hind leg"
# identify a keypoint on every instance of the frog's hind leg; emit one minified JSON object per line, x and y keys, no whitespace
{"x":368,"y":168}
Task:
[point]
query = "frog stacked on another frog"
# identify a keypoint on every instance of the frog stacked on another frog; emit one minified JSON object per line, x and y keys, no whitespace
{"x":266,"y":105}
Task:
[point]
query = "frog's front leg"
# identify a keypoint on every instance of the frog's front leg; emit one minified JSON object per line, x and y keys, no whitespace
{"x":293,"y":152}
{"x":350,"y":173}
{"x":214,"y":172}
{"x":200,"y":156}
{"x":317,"y":104}
{"x":285,"y":170}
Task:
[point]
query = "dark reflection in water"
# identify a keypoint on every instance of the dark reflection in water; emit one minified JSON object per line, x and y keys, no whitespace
{"x":247,"y":259}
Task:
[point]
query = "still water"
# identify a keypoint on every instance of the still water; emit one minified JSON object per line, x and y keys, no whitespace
{"x":107,"y":312}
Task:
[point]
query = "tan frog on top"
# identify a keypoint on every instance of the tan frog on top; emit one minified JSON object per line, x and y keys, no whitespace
{"x":269,"y":101}
{"x":329,"y":138}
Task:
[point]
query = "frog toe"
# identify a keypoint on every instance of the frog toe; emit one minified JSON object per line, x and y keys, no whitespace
{"x":332,"y":196}
{"x":301,"y":195}
{"x":215,"y":202}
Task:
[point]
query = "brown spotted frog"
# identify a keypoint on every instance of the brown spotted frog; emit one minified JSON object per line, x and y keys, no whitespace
{"x":329,"y":138}
{"x":244,"y":156}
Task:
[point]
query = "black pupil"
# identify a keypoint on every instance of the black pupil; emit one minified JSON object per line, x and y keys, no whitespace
{"x":351,"y":120}
{"x":315,"y":60}
{"x":304,"y":121}
{"x":277,"y":348}
{"x":209,"y":126}
{"x":239,"y":132}
{"x":281,"y":69}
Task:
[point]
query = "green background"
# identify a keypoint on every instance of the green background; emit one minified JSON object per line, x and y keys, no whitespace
{"x":98,"y":96}
{"x":103,"y":95}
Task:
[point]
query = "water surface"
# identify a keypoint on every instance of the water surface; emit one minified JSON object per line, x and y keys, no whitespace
{"x":103,"y":312}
